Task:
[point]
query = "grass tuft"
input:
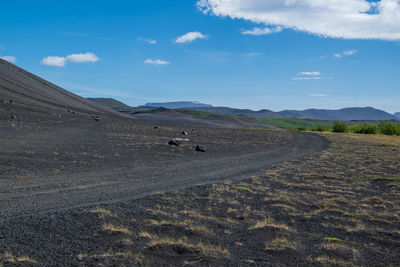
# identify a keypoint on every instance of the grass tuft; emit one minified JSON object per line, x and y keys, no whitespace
{"x":115,"y":228}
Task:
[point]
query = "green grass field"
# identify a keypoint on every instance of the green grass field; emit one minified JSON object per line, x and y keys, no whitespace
{"x":294,"y":123}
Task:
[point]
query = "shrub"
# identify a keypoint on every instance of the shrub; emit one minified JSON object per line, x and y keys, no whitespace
{"x":301,"y":129}
{"x":365,"y":129}
{"x":319,"y":128}
{"x":389,"y":128}
{"x":339,"y":127}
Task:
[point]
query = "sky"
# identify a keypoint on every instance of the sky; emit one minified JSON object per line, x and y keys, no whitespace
{"x":257,"y":54}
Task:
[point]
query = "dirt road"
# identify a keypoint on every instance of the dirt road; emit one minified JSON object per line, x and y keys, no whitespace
{"x":83,"y":162}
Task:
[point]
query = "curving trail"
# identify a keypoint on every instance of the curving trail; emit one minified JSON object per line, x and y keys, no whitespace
{"x":82,"y":163}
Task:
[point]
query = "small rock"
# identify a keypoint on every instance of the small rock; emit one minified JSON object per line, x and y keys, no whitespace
{"x":200,"y":148}
{"x":156,"y":127}
{"x":176,"y":141}
{"x":184,"y":133}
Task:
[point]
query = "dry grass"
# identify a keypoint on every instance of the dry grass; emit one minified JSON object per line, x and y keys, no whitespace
{"x":9,"y":257}
{"x":329,"y":261}
{"x":103,"y":213}
{"x":116,"y":228}
{"x":376,"y":138}
{"x":145,"y":235}
{"x":270,"y":222}
{"x":188,"y":224}
{"x":281,"y":243}
{"x":329,"y":209}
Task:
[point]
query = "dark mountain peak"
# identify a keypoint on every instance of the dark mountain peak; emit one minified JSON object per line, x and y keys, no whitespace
{"x":28,"y":91}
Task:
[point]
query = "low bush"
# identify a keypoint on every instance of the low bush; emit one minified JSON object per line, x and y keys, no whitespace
{"x":389,"y":128}
{"x":320,"y":128}
{"x":301,"y":129}
{"x":339,"y":127}
{"x":364,"y":129}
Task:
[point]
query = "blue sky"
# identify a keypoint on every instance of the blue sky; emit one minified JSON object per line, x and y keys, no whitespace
{"x":250,"y":56}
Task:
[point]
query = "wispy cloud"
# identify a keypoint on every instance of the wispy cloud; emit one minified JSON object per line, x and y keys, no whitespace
{"x":2,"y":47}
{"x":57,"y":61}
{"x":156,"y":62}
{"x":317,"y":95}
{"x":147,"y":40}
{"x":10,"y":59}
{"x":346,"y":53}
{"x":348,"y":19}
{"x":308,"y":75}
{"x":262,"y":31}
{"x":190,"y":37}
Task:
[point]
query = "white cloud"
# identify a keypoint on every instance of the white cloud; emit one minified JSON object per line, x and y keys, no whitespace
{"x":10,"y":59}
{"x":156,"y":62}
{"x":54,"y":61}
{"x":349,"y":19}
{"x":262,"y":31}
{"x":309,"y":73}
{"x":147,"y":40}
{"x":190,"y":37}
{"x":346,"y":53}
{"x":317,"y":95}
{"x":74,"y":58}
{"x":83,"y":58}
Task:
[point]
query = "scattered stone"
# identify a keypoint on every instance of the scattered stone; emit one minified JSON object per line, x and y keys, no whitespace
{"x":200,"y":148}
{"x":176,"y":142}
{"x":156,"y":127}
{"x":184,"y":133}
{"x":13,"y":117}
{"x":97,"y":118}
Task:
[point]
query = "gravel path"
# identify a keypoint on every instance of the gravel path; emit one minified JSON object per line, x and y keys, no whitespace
{"x":83,"y":163}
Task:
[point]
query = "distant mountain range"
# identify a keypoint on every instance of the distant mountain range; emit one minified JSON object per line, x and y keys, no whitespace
{"x":346,"y":114}
{"x":175,"y":105}
{"x":264,"y":113}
